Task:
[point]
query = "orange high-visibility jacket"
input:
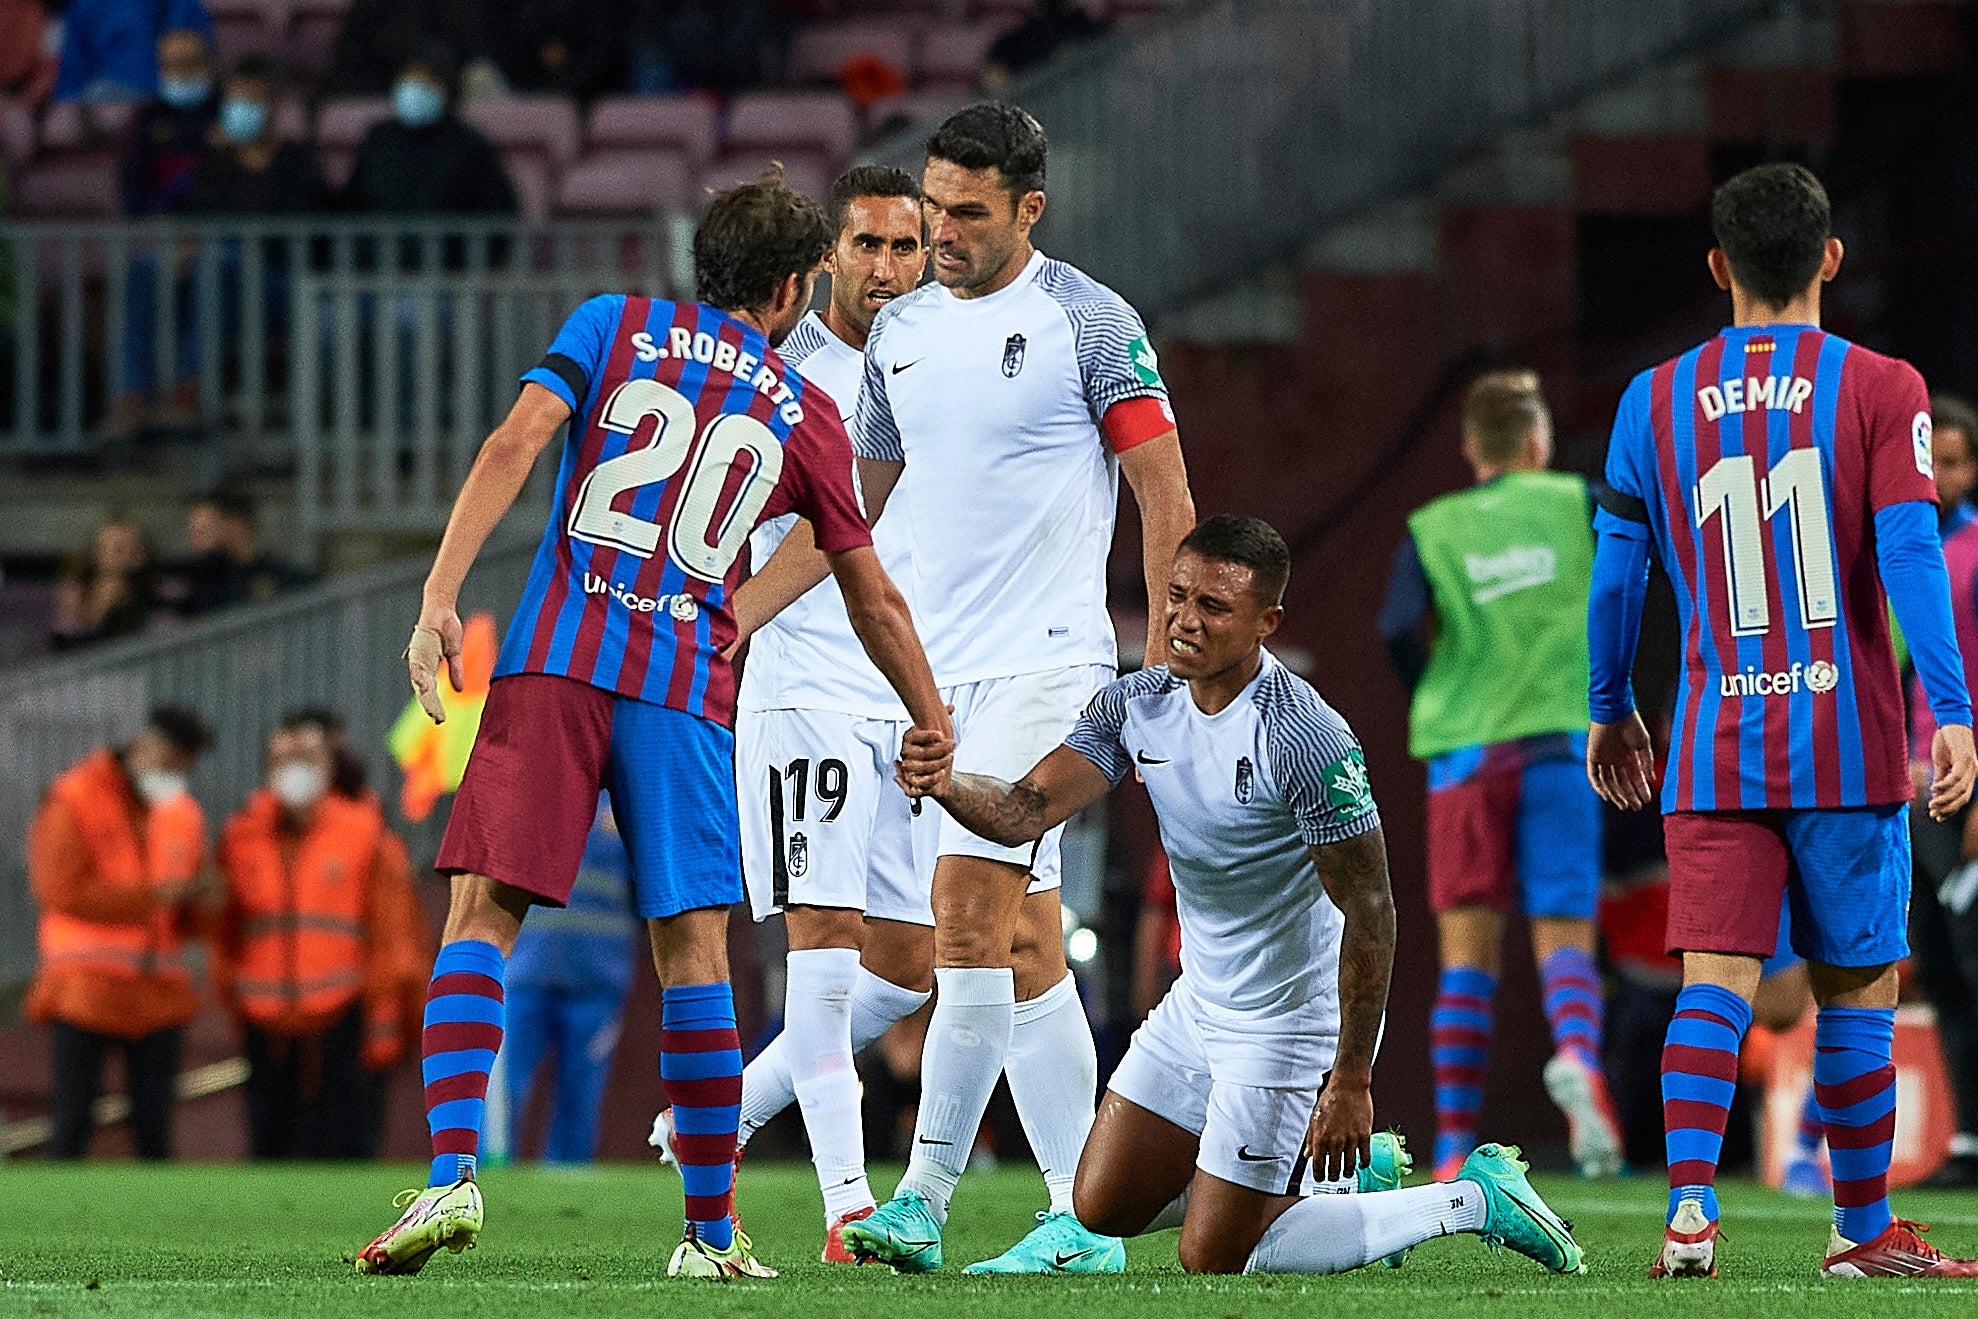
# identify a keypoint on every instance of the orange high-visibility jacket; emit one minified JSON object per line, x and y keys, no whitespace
{"x":317,"y":919}
{"x":112,"y":956}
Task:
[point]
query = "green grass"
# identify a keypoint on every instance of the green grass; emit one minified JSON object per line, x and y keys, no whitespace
{"x":240,"y":1240}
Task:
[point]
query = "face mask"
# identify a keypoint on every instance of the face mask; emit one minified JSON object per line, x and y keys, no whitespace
{"x":156,"y":785}
{"x":184,"y":93}
{"x":242,"y":120}
{"x":417,"y":103}
{"x":298,"y":786}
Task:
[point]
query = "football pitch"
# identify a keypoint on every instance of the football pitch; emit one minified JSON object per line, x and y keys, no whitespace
{"x":277,"y":1240}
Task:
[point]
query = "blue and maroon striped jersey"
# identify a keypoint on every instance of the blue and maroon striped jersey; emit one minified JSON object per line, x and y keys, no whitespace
{"x":686,"y":431}
{"x":1759,"y":460}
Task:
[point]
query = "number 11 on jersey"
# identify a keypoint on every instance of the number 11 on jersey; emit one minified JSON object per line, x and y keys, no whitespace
{"x":1731,"y":489}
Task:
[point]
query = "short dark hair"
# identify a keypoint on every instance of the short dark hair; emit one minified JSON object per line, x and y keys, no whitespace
{"x":1251,"y":542}
{"x":866,"y":181}
{"x":753,"y":238}
{"x":183,"y":728}
{"x":255,"y":67}
{"x":1953,"y":412}
{"x":229,"y":501}
{"x":348,"y":777}
{"x":1773,"y":222}
{"x":994,"y":135}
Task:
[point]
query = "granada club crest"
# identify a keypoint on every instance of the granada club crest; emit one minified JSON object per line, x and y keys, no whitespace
{"x":1246,"y":779}
{"x":799,"y":855}
{"x":1013,"y":355}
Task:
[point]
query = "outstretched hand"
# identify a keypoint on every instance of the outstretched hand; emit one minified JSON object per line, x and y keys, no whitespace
{"x":927,"y":762}
{"x":1340,"y":1139}
{"x":1621,"y":763}
{"x":436,"y":638}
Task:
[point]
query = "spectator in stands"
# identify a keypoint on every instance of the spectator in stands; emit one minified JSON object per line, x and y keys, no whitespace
{"x":27,"y":66}
{"x":319,"y":953}
{"x":226,"y":565}
{"x":720,"y":46}
{"x":112,"y":50}
{"x":1052,"y":25}
{"x":154,"y":178}
{"x":109,"y":590}
{"x":565,"y":993}
{"x":248,"y":167}
{"x":558,"y":47}
{"x":426,"y":160}
{"x":117,"y":863}
{"x":378,"y":37}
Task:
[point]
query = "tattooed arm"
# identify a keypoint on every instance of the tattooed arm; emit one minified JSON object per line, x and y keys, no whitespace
{"x":1354,"y":872}
{"x":1059,"y":787}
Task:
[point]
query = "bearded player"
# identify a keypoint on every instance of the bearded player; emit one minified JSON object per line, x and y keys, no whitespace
{"x":1783,"y":477}
{"x":1256,"y":1068}
{"x":688,"y":430}
{"x":999,"y":408}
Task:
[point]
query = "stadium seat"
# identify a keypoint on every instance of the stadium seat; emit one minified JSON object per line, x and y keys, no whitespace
{"x":244,"y":27}
{"x":951,"y":57}
{"x":16,"y":133}
{"x":823,"y":122}
{"x":627,"y":181}
{"x":340,"y":127}
{"x":292,"y":119}
{"x":312,"y":34}
{"x":80,"y":186}
{"x":923,"y":107}
{"x":818,"y":53}
{"x":71,"y":126}
{"x":682,"y":123}
{"x":544,"y":124}
{"x":809,"y":172}
{"x":534,"y":177}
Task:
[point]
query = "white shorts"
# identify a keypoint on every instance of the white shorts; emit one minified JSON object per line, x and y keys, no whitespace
{"x":823,"y":823}
{"x":1004,"y":726}
{"x":1245,"y":1086}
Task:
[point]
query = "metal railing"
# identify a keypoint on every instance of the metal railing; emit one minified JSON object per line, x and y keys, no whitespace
{"x":337,"y":646}
{"x":363,"y":338}
{"x":1195,"y":151}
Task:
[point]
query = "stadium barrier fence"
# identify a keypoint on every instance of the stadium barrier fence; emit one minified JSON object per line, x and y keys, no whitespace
{"x":336,"y":646}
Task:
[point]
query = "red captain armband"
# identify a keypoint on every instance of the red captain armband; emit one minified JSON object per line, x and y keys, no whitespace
{"x":1134,"y":421}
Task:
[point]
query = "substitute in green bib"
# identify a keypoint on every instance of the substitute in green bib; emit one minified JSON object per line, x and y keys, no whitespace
{"x":1485,"y":623}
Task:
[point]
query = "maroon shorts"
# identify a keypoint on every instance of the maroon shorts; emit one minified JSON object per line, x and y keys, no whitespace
{"x":530,"y":793}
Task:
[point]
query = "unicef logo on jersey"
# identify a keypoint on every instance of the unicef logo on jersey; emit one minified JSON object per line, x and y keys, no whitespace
{"x":1818,"y":677}
{"x":685,"y":608}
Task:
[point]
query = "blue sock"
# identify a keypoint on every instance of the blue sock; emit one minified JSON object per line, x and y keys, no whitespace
{"x":1699,"y":1079}
{"x":1854,"y":1078}
{"x":700,"y":1062}
{"x":1459,"y":1049}
{"x":457,"y":1049}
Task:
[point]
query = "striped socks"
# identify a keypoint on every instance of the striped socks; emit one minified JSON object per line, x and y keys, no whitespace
{"x":1699,"y":1077}
{"x":458,"y":1046}
{"x":1571,"y":986}
{"x":700,"y":1064}
{"x":1854,"y":1078}
{"x":1459,"y":1047}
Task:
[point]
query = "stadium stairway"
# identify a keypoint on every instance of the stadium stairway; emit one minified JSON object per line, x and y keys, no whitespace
{"x":1325,"y":397}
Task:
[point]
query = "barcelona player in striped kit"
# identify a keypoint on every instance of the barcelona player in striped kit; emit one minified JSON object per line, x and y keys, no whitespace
{"x":687,"y":431}
{"x":1783,"y":477}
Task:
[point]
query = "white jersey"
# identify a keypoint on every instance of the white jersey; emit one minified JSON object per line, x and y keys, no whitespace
{"x":807,"y":657}
{"x":1241,"y":796}
{"x":1009,"y":492}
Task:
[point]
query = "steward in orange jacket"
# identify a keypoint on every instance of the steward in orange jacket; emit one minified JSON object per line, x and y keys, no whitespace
{"x":321,"y":952}
{"x":115,"y":860}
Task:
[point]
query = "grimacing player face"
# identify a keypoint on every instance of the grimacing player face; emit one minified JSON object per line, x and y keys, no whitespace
{"x":974,"y":223}
{"x":1215,"y":621}
{"x":878,"y":257}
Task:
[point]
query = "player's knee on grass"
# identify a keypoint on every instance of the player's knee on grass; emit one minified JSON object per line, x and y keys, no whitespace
{"x":1208,"y":1247}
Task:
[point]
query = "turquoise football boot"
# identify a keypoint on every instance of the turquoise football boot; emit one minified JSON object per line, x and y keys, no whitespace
{"x":1389,"y":1167}
{"x":902,"y":1232}
{"x":1058,"y":1244}
{"x":1514,"y":1216}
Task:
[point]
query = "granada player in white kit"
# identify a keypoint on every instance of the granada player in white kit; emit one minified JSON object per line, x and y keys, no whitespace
{"x":1003,"y":402}
{"x":1254,"y":1073}
{"x":828,"y":838}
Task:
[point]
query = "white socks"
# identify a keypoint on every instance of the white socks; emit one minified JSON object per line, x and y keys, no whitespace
{"x":1054,"y":1078}
{"x":817,"y":1036}
{"x":1334,"y":1233}
{"x":966,"y":1045}
{"x":767,"y":1085}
